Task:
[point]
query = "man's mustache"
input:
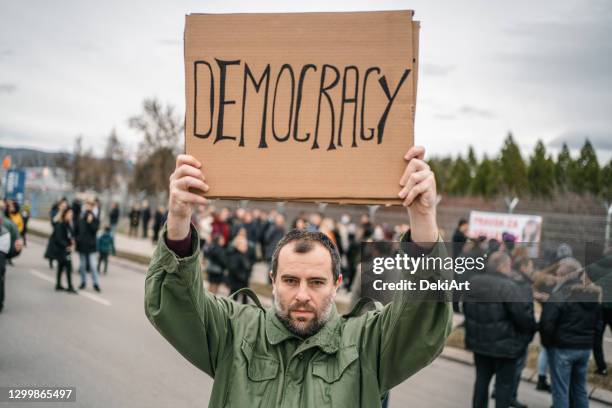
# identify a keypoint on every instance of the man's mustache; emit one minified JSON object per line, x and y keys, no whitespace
{"x":302,"y":307}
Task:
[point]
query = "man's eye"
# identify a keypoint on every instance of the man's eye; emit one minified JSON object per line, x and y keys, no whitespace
{"x":317,"y":283}
{"x":290,"y":281}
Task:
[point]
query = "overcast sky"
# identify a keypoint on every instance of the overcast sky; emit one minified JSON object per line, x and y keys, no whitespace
{"x":539,"y":69}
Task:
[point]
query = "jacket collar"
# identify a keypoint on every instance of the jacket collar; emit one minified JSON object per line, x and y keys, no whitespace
{"x":327,"y":339}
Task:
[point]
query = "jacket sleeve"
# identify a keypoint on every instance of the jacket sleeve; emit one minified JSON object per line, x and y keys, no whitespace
{"x":192,"y":319}
{"x":551,"y":312}
{"x":408,"y":333}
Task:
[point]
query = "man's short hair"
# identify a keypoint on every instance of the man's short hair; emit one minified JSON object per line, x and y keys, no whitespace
{"x":304,"y":243}
{"x":496,"y":260}
{"x":462,"y":222}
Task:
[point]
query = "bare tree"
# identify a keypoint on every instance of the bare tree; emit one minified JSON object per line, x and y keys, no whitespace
{"x":162,"y":131}
{"x":113,"y":162}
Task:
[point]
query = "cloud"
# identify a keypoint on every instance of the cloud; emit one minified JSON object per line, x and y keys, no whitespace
{"x":575,"y":139}
{"x":437,"y":69}
{"x":474,"y":112}
{"x":6,"y":53}
{"x":7,"y":88}
{"x":444,"y":116}
{"x":169,"y":42}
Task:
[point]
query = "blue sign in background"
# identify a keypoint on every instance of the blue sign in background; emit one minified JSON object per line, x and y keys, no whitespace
{"x":14,"y":185}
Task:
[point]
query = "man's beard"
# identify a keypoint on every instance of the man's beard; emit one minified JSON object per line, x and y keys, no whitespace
{"x":303,"y":329}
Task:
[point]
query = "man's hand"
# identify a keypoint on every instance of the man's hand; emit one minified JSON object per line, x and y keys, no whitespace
{"x":187,"y":175}
{"x":18,"y":245}
{"x":419,"y":194}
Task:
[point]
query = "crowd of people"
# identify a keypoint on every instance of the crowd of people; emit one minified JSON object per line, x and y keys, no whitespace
{"x":76,"y":229}
{"x":573,"y":303}
{"x":233,"y":241}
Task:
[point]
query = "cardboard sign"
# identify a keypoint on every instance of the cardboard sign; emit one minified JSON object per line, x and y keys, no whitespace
{"x":303,"y":106}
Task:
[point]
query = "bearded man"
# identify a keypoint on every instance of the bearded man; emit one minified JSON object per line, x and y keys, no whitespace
{"x":300,"y":352}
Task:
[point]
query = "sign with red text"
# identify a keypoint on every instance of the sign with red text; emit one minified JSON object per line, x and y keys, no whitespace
{"x":301,"y":106}
{"x":526,"y":229}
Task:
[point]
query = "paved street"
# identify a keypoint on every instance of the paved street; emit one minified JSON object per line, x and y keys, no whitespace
{"x":104,"y":346}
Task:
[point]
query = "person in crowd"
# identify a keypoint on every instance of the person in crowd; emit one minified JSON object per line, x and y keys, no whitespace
{"x":239,"y":266}
{"x":216,"y":263}
{"x":10,"y":246}
{"x":76,"y":215}
{"x":460,"y":237}
{"x":26,"y":209}
{"x":86,"y":245}
{"x":114,"y":217}
{"x":62,"y":247}
{"x":13,"y":213}
{"x":56,"y":217}
{"x":295,"y":348}
{"x":134,"y":216}
{"x":524,"y":274}
{"x":220,"y":225}
{"x":498,"y":327}
{"x":273,"y":234}
{"x":314,"y":222}
{"x":158,"y":222}
{"x":367,"y":227}
{"x":145,"y":214}
{"x":567,"y":329}
{"x":106,"y":247}
{"x":600,"y":273}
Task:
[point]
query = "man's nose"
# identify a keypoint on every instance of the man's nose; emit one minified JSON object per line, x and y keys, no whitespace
{"x":302,"y":294}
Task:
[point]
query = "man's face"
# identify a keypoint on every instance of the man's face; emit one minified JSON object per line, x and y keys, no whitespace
{"x":304,"y":289}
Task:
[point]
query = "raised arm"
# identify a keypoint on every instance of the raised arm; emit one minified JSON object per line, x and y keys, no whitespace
{"x":193,"y":320}
{"x":409,"y":333}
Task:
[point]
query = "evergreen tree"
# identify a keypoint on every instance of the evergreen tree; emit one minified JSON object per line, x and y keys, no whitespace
{"x":486,"y":180}
{"x":585,"y":172}
{"x":606,"y":183}
{"x":541,"y":172}
{"x":442,"y":169}
{"x":472,"y":161}
{"x":460,"y":178}
{"x":562,"y":168}
{"x":513,"y":170}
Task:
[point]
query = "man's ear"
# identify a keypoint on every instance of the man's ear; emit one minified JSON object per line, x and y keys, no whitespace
{"x":338,"y":281}
{"x":271,"y":277}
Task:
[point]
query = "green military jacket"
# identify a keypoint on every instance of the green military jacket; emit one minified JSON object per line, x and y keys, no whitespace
{"x":256,"y":362}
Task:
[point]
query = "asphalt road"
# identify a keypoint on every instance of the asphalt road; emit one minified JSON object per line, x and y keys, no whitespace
{"x":103,"y":345}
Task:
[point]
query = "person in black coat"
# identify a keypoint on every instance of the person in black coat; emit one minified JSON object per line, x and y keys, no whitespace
{"x":145,"y":213}
{"x":86,"y":245}
{"x":499,"y":324}
{"x":113,"y":217}
{"x":239,"y":265}
{"x":217,"y":263}
{"x":460,"y":237}
{"x":568,"y":326}
{"x":158,"y":222}
{"x":134,"y":216}
{"x":600,"y":273}
{"x":61,"y":247}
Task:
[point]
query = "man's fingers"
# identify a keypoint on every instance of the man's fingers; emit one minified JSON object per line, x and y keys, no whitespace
{"x":187,"y":159}
{"x":186,"y":170}
{"x":188,"y":182}
{"x":415,"y":152}
{"x":186,"y":197}
{"x":413,"y":180}
{"x":415,"y":192}
{"x":413,"y":166}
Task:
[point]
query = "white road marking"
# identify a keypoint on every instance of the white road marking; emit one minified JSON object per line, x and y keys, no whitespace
{"x":87,"y":295}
